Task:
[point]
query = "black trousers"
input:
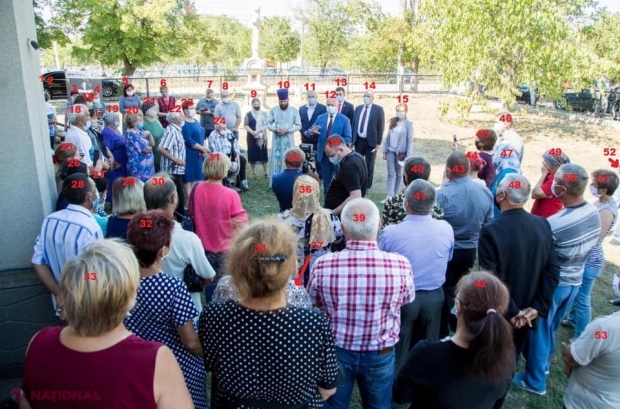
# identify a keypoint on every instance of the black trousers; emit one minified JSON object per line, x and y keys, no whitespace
{"x":462,"y":261}
{"x":362,"y":147}
{"x":178,"y":182}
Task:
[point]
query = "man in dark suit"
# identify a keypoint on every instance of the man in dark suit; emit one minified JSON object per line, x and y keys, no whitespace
{"x":519,"y":248}
{"x":327,"y":124}
{"x":368,"y":132}
{"x":308,"y":115}
{"x":345,"y":107}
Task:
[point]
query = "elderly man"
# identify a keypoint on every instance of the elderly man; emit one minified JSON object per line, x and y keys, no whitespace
{"x":66,"y":233}
{"x":224,"y":141}
{"x":428,"y":245}
{"x":284,"y":182}
{"x":344,"y":107}
{"x":185,"y":247}
{"x":368,"y":132}
{"x":467,"y":206}
{"x":79,"y":118}
{"x":172,"y":150}
{"x":576,"y":230}
{"x":206,"y":108}
{"x":351,"y":177}
{"x":283,"y":121}
{"x":508,"y":137}
{"x":518,"y":247}
{"x":228,"y":113}
{"x":328,"y":124}
{"x":308,"y":115}
{"x":361,"y":290}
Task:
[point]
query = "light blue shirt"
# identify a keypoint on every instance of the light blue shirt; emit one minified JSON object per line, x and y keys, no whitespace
{"x":427,"y":244}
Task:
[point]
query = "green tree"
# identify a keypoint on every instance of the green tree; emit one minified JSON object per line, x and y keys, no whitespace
{"x":502,"y":44}
{"x":47,"y":31}
{"x":231,"y":39}
{"x":603,"y":38}
{"x":131,"y":33}
{"x":278,"y":42}
{"x":203,"y":44}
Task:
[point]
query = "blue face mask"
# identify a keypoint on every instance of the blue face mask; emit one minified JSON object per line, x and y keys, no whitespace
{"x":400,"y":115}
{"x":141,"y":126}
{"x":335,"y":160}
{"x":366,"y":101}
{"x":331,"y":110}
{"x":117,"y":124}
{"x":340,"y":98}
{"x":311,"y":101}
{"x":87,"y":126}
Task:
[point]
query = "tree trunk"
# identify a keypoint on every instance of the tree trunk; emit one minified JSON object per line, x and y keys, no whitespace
{"x":129,"y":68}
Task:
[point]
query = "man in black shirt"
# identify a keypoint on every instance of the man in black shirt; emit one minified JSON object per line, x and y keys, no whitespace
{"x":351,"y":177}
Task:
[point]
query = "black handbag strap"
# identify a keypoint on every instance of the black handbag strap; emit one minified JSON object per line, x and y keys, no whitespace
{"x":307,"y":228}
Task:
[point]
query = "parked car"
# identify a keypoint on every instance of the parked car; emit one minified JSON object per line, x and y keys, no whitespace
{"x":57,"y":84}
{"x":613,"y":107}
{"x":525,"y":96}
{"x":577,"y":101}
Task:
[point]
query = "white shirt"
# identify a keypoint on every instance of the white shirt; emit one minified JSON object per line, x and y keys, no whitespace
{"x":83,"y":143}
{"x":514,"y":140}
{"x":310,"y":111}
{"x":362,"y":132}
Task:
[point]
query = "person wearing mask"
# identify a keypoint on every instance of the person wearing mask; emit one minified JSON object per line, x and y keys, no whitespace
{"x":504,"y":128}
{"x":283,"y":183}
{"x":185,"y":247}
{"x":283,"y":121}
{"x":70,"y":101}
{"x":476,"y":165}
{"x":603,"y":186}
{"x":50,"y":112}
{"x":155,"y":128}
{"x":518,"y":247}
{"x":206,"y":108}
{"x":79,"y":118}
{"x":428,"y":245}
{"x":396,"y":148}
{"x":64,"y":234}
{"x":128,"y":200}
{"x":223,"y":141}
{"x":545,"y":203}
{"x":99,"y":105}
{"x":101,"y":154}
{"x":472,"y":369}
{"x":165,"y":104}
{"x":100,"y":215}
{"x":140,"y":158}
{"x":172,"y":150}
{"x":344,"y":107}
{"x":351,"y":177}
{"x":196,"y":147}
{"x":368,"y":132}
{"x":128,"y":100}
{"x":229,"y":113}
{"x":506,"y":163}
{"x":255,"y":124}
{"x":365,"y":328}
{"x":115,"y":142}
{"x":467,"y":206}
{"x":308,"y":115}
{"x":328,"y":124}
{"x":485,"y":142}
{"x":95,"y":353}
{"x":164,"y":311}
{"x":576,"y":230}
{"x":250,"y":330}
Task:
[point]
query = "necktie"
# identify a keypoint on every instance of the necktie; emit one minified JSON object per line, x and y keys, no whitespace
{"x":363,"y":120}
{"x":329,"y":126}
{"x":339,"y":108}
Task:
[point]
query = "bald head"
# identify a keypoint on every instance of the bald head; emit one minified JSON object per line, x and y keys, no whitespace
{"x":331,"y":102}
{"x":457,"y":165}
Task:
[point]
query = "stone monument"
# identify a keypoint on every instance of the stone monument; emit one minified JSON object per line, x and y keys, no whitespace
{"x":254,"y":68}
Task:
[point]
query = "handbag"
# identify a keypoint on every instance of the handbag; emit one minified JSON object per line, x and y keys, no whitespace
{"x":187,"y":222}
{"x":192,"y":280}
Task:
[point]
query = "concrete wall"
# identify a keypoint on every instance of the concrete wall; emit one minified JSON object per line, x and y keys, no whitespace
{"x":27,"y":188}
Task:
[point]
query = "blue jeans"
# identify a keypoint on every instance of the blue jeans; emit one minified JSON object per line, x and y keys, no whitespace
{"x":541,"y":345}
{"x":374,"y":374}
{"x":581,"y":313}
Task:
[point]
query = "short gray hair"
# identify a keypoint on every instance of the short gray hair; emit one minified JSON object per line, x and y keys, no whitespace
{"x":575,"y":185}
{"x":360,"y":219}
{"x":172,"y":116}
{"x":76,"y":112}
{"x":516,"y":186}
{"x":310,"y":93}
{"x":420,"y":197}
{"x":157,"y":195}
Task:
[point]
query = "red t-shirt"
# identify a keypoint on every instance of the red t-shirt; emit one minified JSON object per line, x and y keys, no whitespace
{"x":551,"y":204}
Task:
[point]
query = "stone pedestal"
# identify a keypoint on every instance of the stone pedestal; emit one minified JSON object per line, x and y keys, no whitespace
{"x":254,"y":67}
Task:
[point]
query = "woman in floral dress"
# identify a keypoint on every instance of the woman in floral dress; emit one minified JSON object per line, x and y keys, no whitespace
{"x":140,"y":163}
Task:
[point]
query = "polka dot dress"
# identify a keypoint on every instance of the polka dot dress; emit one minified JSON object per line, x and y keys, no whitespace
{"x":278,"y":356}
{"x":163,"y":304}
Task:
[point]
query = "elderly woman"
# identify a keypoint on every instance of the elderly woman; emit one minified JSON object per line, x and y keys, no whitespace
{"x":115,"y":142}
{"x":128,"y":102}
{"x":128,"y":200}
{"x":95,"y":354}
{"x":315,"y":228}
{"x":99,"y":105}
{"x":261,"y":264}
{"x":255,"y":124}
{"x":485,"y":142}
{"x":506,"y":162}
{"x":152,"y":125}
{"x":164,"y":310}
{"x":196,"y":148}
{"x":396,"y":148}
{"x":217,"y":212}
{"x":545,"y":203}
{"x":223,"y":140}
{"x":140,"y":158}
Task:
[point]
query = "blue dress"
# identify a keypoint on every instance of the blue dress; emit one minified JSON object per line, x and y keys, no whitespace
{"x":163,"y":304}
{"x":139,"y":165}
{"x":193,"y":134}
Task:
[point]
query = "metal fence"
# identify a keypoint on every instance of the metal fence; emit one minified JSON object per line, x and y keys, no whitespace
{"x":298,"y":84}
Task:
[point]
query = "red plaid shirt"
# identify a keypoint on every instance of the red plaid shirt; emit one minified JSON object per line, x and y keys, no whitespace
{"x":361,"y":290}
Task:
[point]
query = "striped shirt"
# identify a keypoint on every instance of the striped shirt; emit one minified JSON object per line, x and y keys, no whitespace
{"x":173,"y":142}
{"x":224,"y":143}
{"x":64,"y":234}
{"x":576,"y":231}
{"x":596,"y":259}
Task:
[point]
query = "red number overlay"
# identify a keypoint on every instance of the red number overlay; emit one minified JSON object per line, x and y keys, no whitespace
{"x":403,"y":98}
{"x":330,"y":94}
{"x":555,"y":151}
{"x":310,"y":86}
{"x":370,"y":85}
{"x":515,"y":185}
{"x":253,"y":93}
{"x":305,"y":189}
{"x":316,"y":245}
{"x":129,"y":181}
{"x":214,"y":156}
{"x":146,"y":223}
{"x":609,"y":152}
{"x":482,"y":133}
{"x":458,"y":168}
{"x":417,"y":168}
{"x":342,"y":81}
{"x":480,"y":283}
{"x":158,"y":181}
{"x":602,"y":178}
{"x":600,"y":335}
{"x":359,"y":217}
{"x":294,"y":157}
{"x":77,"y":184}
{"x":284,"y":84}
{"x":473,"y":155}
{"x":90,"y":276}
{"x":219,"y":121}
{"x":505,"y":118}
{"x":97,"y":174}
{"x":260,"y":248}
{"x":112,"y":108}
{"x":73,"y":163}
{"x":66,"y":146}
{"x":570,"y":177}
{"x":333,"y":142}
{"x":419,"y":196}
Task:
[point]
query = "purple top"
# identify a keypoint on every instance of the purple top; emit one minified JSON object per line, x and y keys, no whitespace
{"x":488,"y":172}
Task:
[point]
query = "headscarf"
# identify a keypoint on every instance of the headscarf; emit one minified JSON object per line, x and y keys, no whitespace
{"x":476,"y":162}
{"x":306,"y":201}
{"x":148,"y":105}
{"x":556,"y":159}
{"x":510,"y":160}
{"x":108,"y":117}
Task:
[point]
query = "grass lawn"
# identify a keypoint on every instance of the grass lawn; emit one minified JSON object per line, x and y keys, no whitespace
{"x":432,"y":139}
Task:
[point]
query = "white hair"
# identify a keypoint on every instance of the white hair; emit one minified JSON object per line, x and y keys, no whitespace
{"x":76,"y":111}
{"x":360,"y":219}
{"x":516,"y":186}
{"x":173,"y":116}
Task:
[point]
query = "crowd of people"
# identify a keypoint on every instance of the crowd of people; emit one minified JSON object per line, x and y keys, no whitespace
{"x":177,"y":286}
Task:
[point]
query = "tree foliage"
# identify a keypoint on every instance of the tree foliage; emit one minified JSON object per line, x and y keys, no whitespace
{"x":603,"y":38}
{"x":47,"y":30}
{"x":232,"y":39}
{"x":278,"y":42}
{"x":203,"y":42}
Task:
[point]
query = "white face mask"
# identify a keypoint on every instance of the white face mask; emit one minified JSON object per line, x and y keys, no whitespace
{"x":129,"y":93}
{"x":594,"y":192}
{"x":192,"y":113}
{"x":151,"y":112}
{"x":553,"y":189}
{"x":96,"y":100}
{"x":498,"y":127}
{"x":226,"y":100}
